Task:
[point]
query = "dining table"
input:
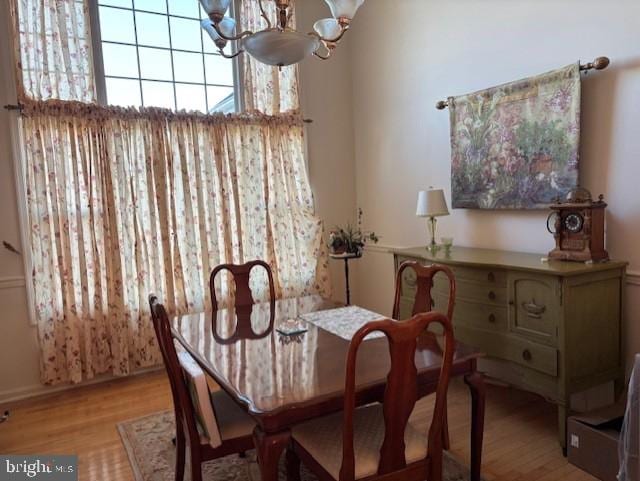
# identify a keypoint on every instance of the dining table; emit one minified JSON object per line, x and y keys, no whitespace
{"x":284,"y":363}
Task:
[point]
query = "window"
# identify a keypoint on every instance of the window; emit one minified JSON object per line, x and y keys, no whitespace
{"x":153,"y":53}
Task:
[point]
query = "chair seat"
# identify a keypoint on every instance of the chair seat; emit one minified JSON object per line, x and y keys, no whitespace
{"x":233,"y":421}
{"x":322,"y":439}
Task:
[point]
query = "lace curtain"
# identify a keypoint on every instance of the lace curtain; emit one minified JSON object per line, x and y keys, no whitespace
{"x":126,"y":203}
{"x":53,"y":50}
{"x":266,"y":89}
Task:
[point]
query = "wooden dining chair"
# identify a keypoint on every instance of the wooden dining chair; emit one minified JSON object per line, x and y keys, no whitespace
{"x":212,"y":425}
{"x":376,"y":442}
{"x":423,"y":302}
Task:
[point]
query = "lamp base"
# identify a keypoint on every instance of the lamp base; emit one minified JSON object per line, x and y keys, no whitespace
{"x":432,"y":234}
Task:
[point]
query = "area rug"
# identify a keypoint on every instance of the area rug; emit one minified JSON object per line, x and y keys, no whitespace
{"x":151,"y":453}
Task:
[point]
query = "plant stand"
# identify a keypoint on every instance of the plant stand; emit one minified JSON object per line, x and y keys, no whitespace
{"x":346,"y":257}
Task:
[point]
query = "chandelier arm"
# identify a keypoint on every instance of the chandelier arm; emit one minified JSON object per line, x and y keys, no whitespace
{"x":263,"y":14}
{"x":244,"y":34}
{"x":234,"y":55}
{"x":332,"y":40}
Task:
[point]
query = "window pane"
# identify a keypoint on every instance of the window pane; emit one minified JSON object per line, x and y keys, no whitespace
{"x":185,"y":34}
{"x":184,"y":8}
{"x":159,"y":6}
{"x":188,"y":67}
{"x":216,"y":96}
{"x":120,"y":60}
{"x":152,"y":29}
{"x":116,"y":3}
{"x":219,"y":70}
{"x":155,"y":64}
{"x":117,"y":25}
{"x":191,"y":97}
{"x":123,"y":92}
{"x":158,"y":94}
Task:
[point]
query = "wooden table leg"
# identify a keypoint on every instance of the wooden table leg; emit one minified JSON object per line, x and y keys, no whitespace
{"x":269,"y":448}
{"x":475,"y":381}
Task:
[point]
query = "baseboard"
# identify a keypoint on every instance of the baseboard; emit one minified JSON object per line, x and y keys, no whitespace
{"x":38,"y":390}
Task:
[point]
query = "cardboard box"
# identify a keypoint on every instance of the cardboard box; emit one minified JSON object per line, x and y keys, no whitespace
{"x":592,"y":441}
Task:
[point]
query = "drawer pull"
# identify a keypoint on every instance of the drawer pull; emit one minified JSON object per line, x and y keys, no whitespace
{"x":491,"y":277}
{"x":492,"y":318}
{"x":526,"y":355}
{"x":492,"y":295}
{"x":534,"y":310}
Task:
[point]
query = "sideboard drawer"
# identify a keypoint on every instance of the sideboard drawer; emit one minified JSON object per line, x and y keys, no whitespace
{"x":473,"y":291}
{"x":472,"y":314}
{"x":492,"y":277}
{"x":511,"y":348}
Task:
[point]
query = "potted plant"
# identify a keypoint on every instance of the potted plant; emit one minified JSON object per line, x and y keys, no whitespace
{"x":350,"y":239}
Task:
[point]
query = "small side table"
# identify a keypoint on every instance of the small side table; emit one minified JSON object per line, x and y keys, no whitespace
{"x":346,"y":257}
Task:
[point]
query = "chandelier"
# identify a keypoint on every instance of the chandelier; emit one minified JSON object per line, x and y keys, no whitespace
{"x":279,"y":44}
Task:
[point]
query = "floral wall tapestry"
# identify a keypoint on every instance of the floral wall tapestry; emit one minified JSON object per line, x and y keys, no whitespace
{"x":516,"y":146}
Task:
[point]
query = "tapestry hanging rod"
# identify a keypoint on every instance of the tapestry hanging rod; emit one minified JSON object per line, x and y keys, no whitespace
{"x":20,"y":107}
{"x":599,"y":63}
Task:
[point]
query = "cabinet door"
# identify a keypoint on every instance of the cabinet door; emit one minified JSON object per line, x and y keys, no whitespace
{"x":534,"y":306}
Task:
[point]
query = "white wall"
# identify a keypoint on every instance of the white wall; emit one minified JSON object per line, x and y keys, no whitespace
{"x":19,"y":362}
{"x":326,"y":99}
{"x":444,"y":47}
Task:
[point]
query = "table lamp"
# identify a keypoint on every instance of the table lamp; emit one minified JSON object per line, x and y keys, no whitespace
{"x":432,"y":204}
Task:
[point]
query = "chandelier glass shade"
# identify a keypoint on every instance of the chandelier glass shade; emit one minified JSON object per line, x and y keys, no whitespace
{"x":279,"y":44}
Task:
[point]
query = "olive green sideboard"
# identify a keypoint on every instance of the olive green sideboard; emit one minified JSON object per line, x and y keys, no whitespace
{"x":553,"y":328}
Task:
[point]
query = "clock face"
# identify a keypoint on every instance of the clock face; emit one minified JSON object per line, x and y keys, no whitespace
{"x":574,"y":222}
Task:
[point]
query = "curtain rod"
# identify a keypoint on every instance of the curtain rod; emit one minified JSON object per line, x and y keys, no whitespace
{"x":20,"y":107}
{"x":599,"y":63}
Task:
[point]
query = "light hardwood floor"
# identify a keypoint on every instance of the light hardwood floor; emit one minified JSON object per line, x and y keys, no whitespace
{"x":520,"y":438}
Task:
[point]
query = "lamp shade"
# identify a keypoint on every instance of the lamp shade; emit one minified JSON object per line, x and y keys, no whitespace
{"x":431,"y":203}
{"x":344,"y":8}
{"x":328,"y":28}
{"x":218,"y":7}
{"x":207,"y":26}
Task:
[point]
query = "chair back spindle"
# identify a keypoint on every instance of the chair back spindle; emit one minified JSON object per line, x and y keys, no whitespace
{"x":424,"y":283}
{"x":241,"y":277}
{"x":244,"y":300}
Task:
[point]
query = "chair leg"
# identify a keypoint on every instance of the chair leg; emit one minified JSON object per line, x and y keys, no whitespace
{"x":180,"y":454}
{"x":196,"y":464}
{"x":293,"y":465}
{"x":446,"y":442}
{"x":435,"y":465}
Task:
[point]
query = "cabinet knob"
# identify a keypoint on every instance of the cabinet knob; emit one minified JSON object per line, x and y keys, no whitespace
{"x":492,"y":318}
{"x":491,"y":277}
{"x":526,"y":355}
{"x":492,"y":295}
